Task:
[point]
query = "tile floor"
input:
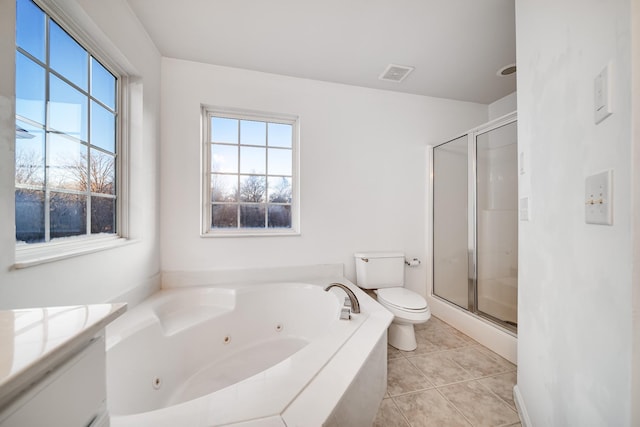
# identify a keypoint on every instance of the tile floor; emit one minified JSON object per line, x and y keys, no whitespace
{"x":449,"y":380}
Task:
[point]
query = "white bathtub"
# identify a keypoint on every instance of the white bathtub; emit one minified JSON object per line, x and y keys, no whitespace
{"x":263,"y":354}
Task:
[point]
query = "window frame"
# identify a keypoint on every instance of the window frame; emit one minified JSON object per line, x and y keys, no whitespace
{"x":207,"y":112}
{"x":98,"y":47}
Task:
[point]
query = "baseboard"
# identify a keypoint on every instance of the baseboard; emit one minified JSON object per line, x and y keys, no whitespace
{"x":522,"y":409}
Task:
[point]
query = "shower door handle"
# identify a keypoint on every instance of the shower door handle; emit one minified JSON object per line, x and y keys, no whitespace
{"x":471,"y":269}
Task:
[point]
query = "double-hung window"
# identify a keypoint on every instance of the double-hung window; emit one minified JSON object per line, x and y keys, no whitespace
{"x":250,"y":180}
{"x":66,"y":152}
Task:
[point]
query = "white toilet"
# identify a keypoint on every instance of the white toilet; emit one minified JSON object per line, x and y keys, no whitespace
{"x":384,"y":272}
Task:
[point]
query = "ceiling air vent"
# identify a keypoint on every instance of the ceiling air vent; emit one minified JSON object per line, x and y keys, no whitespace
{"x":395,"y":73}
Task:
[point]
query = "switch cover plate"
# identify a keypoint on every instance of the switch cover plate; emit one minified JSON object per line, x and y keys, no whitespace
{"x":599,"y":198}
{"x":602,"y":94}
{"x":524,"y":209}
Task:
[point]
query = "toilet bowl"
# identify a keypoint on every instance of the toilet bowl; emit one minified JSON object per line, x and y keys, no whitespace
{"x":383,"y":272}
{"x":408,"y":309}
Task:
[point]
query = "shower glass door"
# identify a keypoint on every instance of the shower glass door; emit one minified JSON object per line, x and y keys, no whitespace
{"x":497,"y":223}
{"x":475,"y":221}
{"x":450,"y":218}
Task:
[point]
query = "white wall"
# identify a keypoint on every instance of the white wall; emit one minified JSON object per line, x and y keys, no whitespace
{"x":134,"y":269}
{"x":503,"y":106}
{"x":363,"y":168}
{"x":575,"y":351}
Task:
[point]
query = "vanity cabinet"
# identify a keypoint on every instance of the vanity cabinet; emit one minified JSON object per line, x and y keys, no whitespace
{"x":74,"y":394}
{"x":55,"y":366}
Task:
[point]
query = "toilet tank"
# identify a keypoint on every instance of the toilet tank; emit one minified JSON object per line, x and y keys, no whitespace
{"x":376,"y":270}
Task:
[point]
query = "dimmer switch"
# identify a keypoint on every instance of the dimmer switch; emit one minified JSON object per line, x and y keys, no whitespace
{"x":599,"y":198}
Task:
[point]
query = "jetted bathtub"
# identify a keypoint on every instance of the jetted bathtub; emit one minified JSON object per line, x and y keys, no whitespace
{"x":261,"y":354}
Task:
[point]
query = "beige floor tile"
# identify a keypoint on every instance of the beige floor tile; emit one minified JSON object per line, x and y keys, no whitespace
{"x":393,"y":353}
{"x":442,"y":339}
{"x":462,"y":336}
{"x":424,"y":346}
{"x":501,"y":385}
{"x":389,"y":415}
{"x":479,"y":363}
{"x":508,"y":366}
{"x":479,"y":405}
{"x":432,"y":323}
{"x":440,"y":369}
{"x":428,"y":408}
{"x":403,"y":377}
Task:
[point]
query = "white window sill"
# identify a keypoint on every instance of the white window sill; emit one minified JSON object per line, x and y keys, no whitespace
{"x":250,"y":233}
{"x":29,"y":255}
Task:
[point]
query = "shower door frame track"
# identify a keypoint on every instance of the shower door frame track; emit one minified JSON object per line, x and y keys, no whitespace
{"x":472,"y":204}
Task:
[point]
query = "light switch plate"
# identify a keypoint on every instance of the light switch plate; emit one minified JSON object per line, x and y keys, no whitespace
{"x":524,"y":209}
{"x":602,"y":94}
{"x":599,"y":198}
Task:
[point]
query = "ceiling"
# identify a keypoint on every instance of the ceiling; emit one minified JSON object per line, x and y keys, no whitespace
{"x":456,"y":46}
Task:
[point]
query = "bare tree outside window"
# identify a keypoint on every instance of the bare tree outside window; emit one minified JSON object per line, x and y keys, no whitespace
{"x":66,"y":108}
{"x":250,"y":172}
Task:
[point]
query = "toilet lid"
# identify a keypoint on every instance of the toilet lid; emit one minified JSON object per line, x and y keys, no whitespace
{"x":401,"y":297}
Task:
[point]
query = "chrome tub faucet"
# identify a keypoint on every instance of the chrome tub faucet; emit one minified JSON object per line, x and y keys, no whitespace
{"x":351,"y":304}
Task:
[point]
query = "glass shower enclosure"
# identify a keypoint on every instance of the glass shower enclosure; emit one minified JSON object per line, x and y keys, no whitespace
{"x":475,"y":221}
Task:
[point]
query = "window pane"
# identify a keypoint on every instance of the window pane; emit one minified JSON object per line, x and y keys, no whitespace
{"x":67,"y":164}
{"x":30,"y":96}
{"x":253,"y":133}
{"x":103,"y":215}
{"x":279,"y":161}
{"x":224,"y":188}
{"x":67,"y":109}
{"x":224,"y":130}
{"x":68,"y":215}
{"x":67,"y":57}
{"x":30,"y":22}
{"x":253,"y":160}
{"x":252,"y":189}
{"x":280,"y":216}
{"x":279,"y":190}
{"x":29,"y":154}
{"x":103,"y":84}
{"x":102,"y":173}
{"x":29,"y":216}
{"x":224,"y":216}
{"x":252,"y":216}
{"x":280,"y":135}
{"x":103,"y":127}
{"x":224,"y":158}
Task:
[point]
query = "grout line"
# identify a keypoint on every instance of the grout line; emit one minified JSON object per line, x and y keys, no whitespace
{"x":402,"y":414}
{"x":456,"y":408}
{"x":468,"y":344}
{"x":413,"y":392}
{"x":499,"y":398}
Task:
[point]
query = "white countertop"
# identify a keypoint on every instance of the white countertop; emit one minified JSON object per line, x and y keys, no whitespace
{"x":34,"y":341}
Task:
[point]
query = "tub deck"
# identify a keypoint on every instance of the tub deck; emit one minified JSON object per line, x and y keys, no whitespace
{"x":275,"y":381}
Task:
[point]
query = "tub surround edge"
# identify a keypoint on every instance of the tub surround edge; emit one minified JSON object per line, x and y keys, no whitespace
{"x":179,"y":279}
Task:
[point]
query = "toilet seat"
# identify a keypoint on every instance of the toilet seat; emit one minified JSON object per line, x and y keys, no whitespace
{"x":402,"y":299}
